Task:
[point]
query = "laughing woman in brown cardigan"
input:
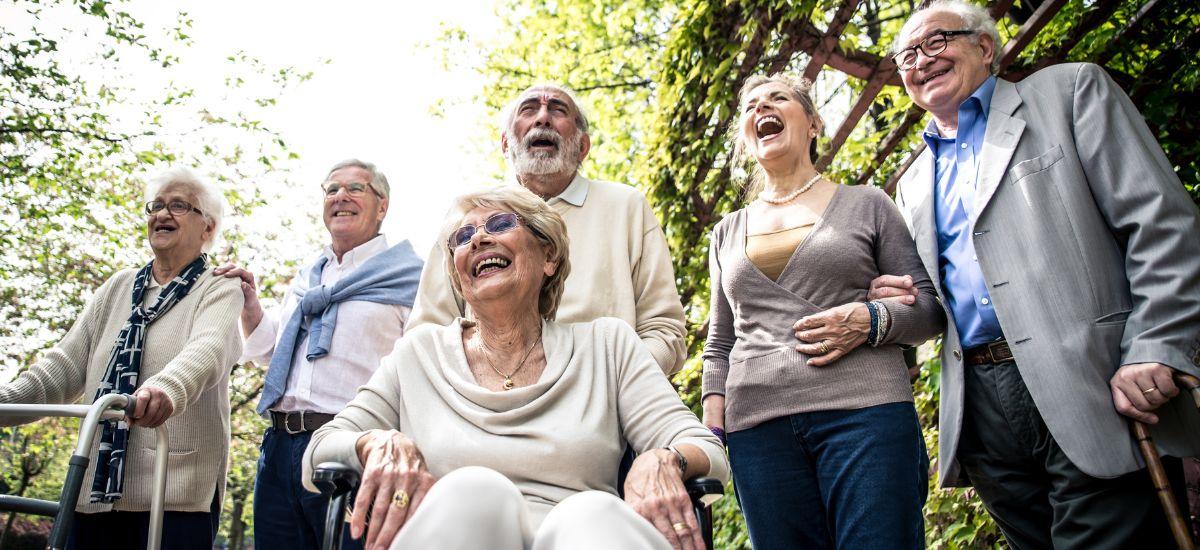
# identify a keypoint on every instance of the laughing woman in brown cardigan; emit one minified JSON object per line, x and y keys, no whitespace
{"x":808,"y":378}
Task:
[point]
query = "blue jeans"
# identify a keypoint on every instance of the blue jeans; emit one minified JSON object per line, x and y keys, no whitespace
{"x":833,"y":479}
{"x":286,"y":515}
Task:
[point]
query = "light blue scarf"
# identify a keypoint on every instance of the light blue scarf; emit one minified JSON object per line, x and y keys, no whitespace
{"x":389,"y":277}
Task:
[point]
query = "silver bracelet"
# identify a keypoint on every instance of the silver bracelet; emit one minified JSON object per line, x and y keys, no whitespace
{"x":682,"y":460}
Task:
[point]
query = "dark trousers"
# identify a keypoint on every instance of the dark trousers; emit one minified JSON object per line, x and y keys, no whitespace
{"x":286,"y":515}
{"x":833,"y":479}
{"x":128,"y":530}
{"x":1033,"y":491}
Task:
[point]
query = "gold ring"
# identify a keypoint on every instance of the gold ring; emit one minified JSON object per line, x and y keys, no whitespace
{"x":680,"y":527}
{"x":824,"y":347}
{"x":400,"y":498}
{"x":1155,"y":388}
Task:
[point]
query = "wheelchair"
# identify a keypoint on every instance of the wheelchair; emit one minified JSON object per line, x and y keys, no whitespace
{"x":340,"y":482}
{"x":108,"y":407}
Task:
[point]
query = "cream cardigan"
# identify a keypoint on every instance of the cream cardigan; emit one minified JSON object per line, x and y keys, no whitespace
{"x":188,"y":355}
{"x":562,"y":435}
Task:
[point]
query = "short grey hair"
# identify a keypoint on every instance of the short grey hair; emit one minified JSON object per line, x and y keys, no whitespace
{"x":974,"y":17}
{"x":509,"y":113}
{"x":378,"y":181}
{"x":209,"y":199}
{"x":545,"y":224}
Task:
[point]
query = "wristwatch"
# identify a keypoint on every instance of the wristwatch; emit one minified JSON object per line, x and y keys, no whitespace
{"x":682,"y":460}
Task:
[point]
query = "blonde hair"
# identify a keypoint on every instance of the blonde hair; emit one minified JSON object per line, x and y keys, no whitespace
{"x":545,"y":224}
{"x":800,"y":90}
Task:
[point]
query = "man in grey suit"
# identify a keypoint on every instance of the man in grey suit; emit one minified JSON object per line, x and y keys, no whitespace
{"x":1068,"y":256}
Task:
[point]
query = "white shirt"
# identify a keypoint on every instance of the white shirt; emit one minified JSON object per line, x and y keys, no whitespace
{"x":364,"y":334}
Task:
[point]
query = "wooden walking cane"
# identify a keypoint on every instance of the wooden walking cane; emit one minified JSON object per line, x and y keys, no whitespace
{"x":1158,"y":475}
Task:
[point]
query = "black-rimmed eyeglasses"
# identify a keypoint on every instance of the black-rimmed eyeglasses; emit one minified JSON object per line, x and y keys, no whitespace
{"x":931,"y":46}
{"x":176,"y":208}
{"x":500,"y":222}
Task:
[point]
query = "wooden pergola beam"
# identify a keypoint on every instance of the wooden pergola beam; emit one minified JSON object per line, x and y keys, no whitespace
{"x":1029,"y":30}
{"x":1131,"y":29}
{"x":884,"y":71}
{"x":829,"y":40}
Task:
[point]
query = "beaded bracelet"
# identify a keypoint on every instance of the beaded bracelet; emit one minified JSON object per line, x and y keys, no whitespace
{"x":885,"y":324}
{"x":874,"y":323}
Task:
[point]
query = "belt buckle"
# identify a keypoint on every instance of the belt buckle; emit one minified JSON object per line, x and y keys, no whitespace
{"x":287,"y":425}
{"x":999,"y":352}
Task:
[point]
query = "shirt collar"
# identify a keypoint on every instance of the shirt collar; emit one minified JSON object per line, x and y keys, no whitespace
{"x":981,"y":99}
{"x":576,"y":193}
{"x":360,"y":253}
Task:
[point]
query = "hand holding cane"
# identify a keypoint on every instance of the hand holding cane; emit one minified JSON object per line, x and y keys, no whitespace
{"x":1158,"y":475}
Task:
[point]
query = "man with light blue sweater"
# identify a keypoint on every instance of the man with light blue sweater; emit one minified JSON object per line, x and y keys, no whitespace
{"x":342,"y":315}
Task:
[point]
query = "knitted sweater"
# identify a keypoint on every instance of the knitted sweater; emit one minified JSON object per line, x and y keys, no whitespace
{"x":188,"y":355}
{"x":750,"y":354}
{"x":562,"y":435}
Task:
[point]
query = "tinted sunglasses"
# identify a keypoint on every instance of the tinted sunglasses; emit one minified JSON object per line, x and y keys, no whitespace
{"x":500,"y":222}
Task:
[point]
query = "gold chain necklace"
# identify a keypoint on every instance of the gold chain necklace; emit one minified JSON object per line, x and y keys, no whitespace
{"x":808,"y":185}
{"x":508,"y":383}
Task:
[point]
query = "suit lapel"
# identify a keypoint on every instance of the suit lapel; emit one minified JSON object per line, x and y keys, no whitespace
{"x":920,"y":189}
{"x":999,"y":143}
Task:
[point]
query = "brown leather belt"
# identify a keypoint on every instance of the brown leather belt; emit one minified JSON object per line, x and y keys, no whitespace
{"x":992,"y":352}
{"x":296,"y":422}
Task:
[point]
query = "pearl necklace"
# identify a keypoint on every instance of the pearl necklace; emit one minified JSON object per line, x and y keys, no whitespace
{"x":800,"y":191}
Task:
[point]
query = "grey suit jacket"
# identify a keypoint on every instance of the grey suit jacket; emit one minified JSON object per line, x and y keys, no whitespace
{"x":1091,"y":252}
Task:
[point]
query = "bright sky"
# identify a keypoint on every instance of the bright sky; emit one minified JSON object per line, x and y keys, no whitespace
{"x":374,"y":98}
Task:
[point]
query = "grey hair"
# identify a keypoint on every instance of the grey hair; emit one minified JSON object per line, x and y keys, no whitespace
{"x":509,"y":113}
{"x":378,"y":182}
{"x":974,"y":17}
{"x":209,"y":199}
{"x":545,"y":224}
{"x":800,"y":88}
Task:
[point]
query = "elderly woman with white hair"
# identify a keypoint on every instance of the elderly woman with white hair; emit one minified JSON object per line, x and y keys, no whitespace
{"x":167,"y":333}
{"x":506,"y":430}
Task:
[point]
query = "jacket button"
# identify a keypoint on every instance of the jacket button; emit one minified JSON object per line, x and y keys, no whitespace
{"x":958,"y":355}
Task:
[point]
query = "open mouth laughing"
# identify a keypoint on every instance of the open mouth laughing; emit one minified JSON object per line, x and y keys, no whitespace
{"x":489,"y":263}
{"x":921,"y":81}
{"x":768,"y":126}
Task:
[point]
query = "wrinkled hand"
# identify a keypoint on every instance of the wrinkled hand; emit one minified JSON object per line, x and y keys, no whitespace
{"x":895,"y":287}
{"x":831,"y":334}
{"x":1129,"y":390}
{"x":252,"y":312}
{"x":391,"y":463}
{"x":654,"y":488}
{"x":152,"y":409}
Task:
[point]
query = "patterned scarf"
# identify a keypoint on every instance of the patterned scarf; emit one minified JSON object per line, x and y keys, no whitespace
{"x":121,"y":376}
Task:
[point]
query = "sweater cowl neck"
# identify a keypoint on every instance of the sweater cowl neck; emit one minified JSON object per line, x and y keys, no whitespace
{"x":557,"y":343}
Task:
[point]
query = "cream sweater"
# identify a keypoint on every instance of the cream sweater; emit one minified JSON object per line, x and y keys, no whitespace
{"x":560,"y":436}
{"x":620,"y":267}
{"x":188,"y":355}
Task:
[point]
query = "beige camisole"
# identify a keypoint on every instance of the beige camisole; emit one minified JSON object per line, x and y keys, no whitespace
{"x":771,"y":251}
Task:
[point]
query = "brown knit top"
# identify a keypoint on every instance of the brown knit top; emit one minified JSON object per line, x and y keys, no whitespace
{"x":750,"y":354}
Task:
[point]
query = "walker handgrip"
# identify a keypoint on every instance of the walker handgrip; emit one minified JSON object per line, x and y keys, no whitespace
{"x":78,"y":466}
{"x":130,"y":405}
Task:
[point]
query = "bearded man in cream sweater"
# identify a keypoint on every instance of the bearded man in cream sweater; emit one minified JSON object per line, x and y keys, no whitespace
{"x":620,"y":263}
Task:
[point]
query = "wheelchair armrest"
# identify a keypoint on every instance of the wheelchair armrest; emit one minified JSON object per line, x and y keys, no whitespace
{"x":704,"y":491}
{"x":335,"y":478}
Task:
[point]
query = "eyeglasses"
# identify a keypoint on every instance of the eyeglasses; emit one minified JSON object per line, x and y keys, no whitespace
{"x":354,"y":189}
{"x":176,"y":208}
{"x":501,"y":222}
{"x":931,"y":46}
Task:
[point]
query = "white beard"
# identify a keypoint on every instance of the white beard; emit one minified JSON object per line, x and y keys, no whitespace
{"x":536,"y":163}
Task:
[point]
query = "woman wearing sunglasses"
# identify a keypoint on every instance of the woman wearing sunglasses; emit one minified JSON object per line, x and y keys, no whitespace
{"x":506,"y":430}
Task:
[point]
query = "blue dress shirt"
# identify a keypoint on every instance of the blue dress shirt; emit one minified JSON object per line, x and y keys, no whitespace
{"x":956,"y":178}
